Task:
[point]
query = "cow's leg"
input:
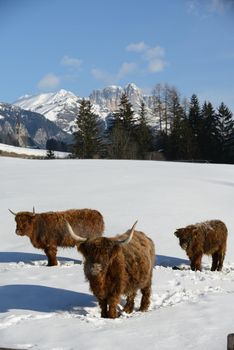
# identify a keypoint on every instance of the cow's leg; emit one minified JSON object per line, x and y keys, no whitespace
{"x":51,"y":252}
{"x":103,"y":306}
{"x":192,"y":265}
{"x":221,"y":256}
{"x":196,"y":262}
{"x":215,"y":258}
{"x":129,"y":306}
{"x":113,"y":303}
{"x":145,"y":300}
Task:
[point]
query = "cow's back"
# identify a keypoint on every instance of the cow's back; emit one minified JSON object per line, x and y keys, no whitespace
{"x":139,"y":256}
{"x":214,"y":236}
{"x":86,"y":222}
{"x":51,"y":227}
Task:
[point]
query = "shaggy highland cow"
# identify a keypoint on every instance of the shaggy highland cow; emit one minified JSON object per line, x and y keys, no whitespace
{"x":117,"y":266}
{"x":209,"y":237}
{"x":48,"y":231}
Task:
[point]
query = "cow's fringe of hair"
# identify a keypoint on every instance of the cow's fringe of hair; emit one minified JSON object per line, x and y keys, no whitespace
{"x":204,"y":225}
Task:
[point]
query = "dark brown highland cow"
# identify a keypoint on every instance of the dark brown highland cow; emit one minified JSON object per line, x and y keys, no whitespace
{"x":48,"y":231}
{"x":116,"y":266}
{"x":209,"y":237}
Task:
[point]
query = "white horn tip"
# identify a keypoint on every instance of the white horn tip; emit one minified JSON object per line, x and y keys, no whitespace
{"x":72,"y":233}
{"x":128,"y":239}
{"x":135,"y":224}
{"x":12,"y":212}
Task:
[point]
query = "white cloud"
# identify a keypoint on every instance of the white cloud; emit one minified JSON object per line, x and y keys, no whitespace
{"x":101,"y":75}
{"x":72,"y":62}
{"x":191,"y":5}
{"x":125,"y":69}
{"x":138,"y":47}
{"x":156,"y":65}
{"x":220,"y":6}
{"x":154,"y":52}
{"x":204,"y":8}
{"x":52,"y":81}
{"x":49,"y":82}
{"x":153,"y":55}
{"x":216,"y":6}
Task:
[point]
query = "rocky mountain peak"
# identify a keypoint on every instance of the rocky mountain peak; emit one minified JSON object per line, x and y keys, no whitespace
{"x":62,"y":107}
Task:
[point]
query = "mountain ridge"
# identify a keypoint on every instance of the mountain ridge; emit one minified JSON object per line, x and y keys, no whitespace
{"x":22,"y":127}
{"x":62,"y":107}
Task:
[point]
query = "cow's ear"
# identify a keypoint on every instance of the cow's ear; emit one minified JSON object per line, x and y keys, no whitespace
{"x":177,"y":232}
{"x":81,"y":247}
{"x":31,"y":218}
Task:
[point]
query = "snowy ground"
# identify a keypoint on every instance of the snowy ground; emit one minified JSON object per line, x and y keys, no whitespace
{"x":52,"y":308}
{"x":30,"y":151}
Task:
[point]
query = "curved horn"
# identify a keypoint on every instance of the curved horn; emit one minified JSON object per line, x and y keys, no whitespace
{"x":72,"y":233}
{"x":129,"y":236}
{"x":12,"y":212}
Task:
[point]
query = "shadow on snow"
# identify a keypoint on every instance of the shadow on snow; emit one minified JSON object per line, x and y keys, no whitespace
{"x":29,"y":258}
{"x":170,"y":261}
{"x":43,"y":299}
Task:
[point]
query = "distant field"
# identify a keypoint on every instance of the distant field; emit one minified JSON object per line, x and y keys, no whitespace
{"x":21,"y":152}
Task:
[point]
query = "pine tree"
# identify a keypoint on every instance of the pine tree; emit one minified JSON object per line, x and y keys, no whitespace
{"x":143,"y":133}
{"x":225,"y":130}
{"x":121,"y":132}
{"x":125,"y":114}
{"x":194,"y":113}
{"x":195,"y":121}
{"x":209,"y":137}
{"x":50,"y":154}
{"x":179,"y":144}
{"x":50,"y":146}
{"x":87,"y":138}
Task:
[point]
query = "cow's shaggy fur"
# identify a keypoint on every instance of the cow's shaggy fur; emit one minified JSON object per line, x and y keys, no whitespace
{"x":48,"y":230}
{"x":115,"y":267}
{"x":209,"y":237}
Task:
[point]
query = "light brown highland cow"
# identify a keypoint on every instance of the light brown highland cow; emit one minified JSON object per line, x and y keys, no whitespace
{"x":209,"y":237}
{"x":48,"y":230}
{"x":117,"y":266}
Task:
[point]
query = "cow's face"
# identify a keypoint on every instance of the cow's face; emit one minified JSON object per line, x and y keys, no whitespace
{"x":24,"y":223}
{"x":98,"y":254}
{"x":185,"y":236}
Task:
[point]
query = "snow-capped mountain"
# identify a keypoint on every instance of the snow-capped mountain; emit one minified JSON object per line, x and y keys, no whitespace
{"x":26,"y":128}
{"x":62,"y":107}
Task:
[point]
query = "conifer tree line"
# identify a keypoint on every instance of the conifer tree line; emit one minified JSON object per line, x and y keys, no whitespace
{"x":183,"y":130}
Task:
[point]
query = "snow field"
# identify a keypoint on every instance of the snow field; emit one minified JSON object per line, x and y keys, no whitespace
{"x":30,"y":151}
{"x":52,"y":308}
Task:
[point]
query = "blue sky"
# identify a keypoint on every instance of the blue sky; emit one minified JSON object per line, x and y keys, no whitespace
{"x":84,"y":45}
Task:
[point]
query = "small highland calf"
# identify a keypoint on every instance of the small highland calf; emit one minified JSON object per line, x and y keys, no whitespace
{"x":209,"y":237}
{"x":118,"y":266}
{"x":48,"y":231}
